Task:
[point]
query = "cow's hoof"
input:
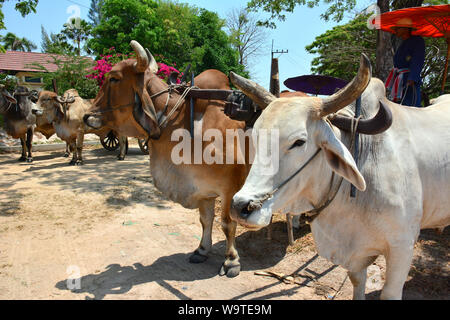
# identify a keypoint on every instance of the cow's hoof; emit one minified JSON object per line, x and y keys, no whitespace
{"x":72,"y":163}
{"x":22,"y":159}
{"x":120,"y":158}
{"x":230,"y":269}
{"x":66,"y":155}
{"x":29,"y":160}
{"x":197,"y":257}
{"x":79,"y":162}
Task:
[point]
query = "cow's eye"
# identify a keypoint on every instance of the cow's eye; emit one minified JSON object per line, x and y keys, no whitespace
{"x":114,"y":80}
{"x":297,"y":143}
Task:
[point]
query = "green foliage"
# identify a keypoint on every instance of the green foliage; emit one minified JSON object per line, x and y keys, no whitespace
{"x":335,"y":10}
{"x":71,"y":74}
{"x":338,"y":51}
{"x":179,"y":32}
{"x":9,"y":81}
{"x":123,"y":21}
{"x":212,"y":47}
{"x":55,"y":43}
{"x":95,"y":14}
{"x":77,"y":31}
{"x":340,"y":48}
{"x":24,"y":7}
{"x":15,"y":43}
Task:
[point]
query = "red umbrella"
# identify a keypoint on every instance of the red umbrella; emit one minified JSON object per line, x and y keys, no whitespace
{"x":431,"y":21}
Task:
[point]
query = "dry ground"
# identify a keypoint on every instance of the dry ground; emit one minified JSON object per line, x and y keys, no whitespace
{"x":107,"y":225}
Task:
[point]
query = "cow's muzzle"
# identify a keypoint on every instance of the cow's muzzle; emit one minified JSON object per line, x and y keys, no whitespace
{"x":250,"y":213}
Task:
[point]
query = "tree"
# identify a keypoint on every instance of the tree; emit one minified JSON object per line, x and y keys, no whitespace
{"x":15,"y":43}
{"x":24,"y":7}
{"x":123,"y":21}
{"x":339,"y":49}
{"x":246,"y":36}
{"x":55,"y":43}
{"x":212,"y":48}
{"x":196,"y":36}
{"x":95,"y":12}
{"x":77,"y":31}
{"x":72,"y":73}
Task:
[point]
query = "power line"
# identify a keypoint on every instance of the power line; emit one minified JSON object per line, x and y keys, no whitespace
{"x":78,"y":4}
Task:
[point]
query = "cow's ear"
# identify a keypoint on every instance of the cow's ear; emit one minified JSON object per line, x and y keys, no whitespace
{"x":338,"y":157}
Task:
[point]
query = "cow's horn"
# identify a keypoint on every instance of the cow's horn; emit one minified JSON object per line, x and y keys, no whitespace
{"x":142,"y":62}
{"x":70,"y":99}
{"x":60,"y":99}
{"x":153,"y":64}
{"x":254,"y":91}
{"x":351,"y":91}
{"x":378,"y":124}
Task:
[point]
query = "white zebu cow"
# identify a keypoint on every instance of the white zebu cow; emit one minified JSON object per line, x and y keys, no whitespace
{"x":403,"y":176}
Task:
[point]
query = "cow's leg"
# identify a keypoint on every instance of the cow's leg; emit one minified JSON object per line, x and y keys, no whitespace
{"x":73,"y":150}
{"x":206,"y":219}
{"x":231,"y":267}
{"x":398,"y":264}
{"x":67,"y":153}
{"x":122,"y":147}
{"x":29,"y":145}
{"x":359,"y":278}
{"x":24,"y":149}
{"x":80,"y":141}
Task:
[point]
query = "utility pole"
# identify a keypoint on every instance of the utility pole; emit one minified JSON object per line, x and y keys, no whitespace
{"x":274,"y":73}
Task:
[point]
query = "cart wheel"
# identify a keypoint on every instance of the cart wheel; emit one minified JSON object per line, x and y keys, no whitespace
{"x":110,"y":142}
{"x":143,"y":146}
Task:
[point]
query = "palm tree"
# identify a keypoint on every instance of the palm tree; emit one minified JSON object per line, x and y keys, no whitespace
{"x":15,"y":43}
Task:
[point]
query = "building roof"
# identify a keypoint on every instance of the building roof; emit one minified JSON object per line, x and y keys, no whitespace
{"x":21,"y":61}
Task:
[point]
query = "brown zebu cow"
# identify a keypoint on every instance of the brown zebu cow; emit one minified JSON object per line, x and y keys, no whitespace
{"x":66,"y":116}
{"x":191,"y":185}
{"x":20,"y":120}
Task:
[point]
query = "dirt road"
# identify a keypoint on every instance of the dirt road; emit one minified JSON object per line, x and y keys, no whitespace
{"x":102,"y":231}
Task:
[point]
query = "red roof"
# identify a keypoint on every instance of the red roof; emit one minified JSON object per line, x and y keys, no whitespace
{"x":21,"y":61}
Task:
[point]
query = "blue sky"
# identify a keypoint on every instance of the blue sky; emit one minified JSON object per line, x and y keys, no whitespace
{"x":299,"y":30}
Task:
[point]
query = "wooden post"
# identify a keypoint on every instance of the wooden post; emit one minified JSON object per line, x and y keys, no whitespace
{"x":55,"y":88}
{"x":290,"y":228}
{"x":275,"y":78}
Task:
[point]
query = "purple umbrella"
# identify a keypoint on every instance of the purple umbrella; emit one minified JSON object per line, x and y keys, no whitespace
{"x":315,"y":84}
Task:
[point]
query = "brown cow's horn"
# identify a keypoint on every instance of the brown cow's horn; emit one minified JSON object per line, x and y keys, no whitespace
{"x":142,"y":62}
{"x":254,"y":91}
{"x":378,"y":124}
{"x":153,"y":64}
{"x":351,"y":91}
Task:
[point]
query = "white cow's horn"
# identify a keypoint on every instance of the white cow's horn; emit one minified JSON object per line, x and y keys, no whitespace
{"x":142,"y":62}
{"x":351,"y":91}
{"x":254,"y":91}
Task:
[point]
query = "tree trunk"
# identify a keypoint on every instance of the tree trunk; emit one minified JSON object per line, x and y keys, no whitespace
{"x":385,"y":52}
